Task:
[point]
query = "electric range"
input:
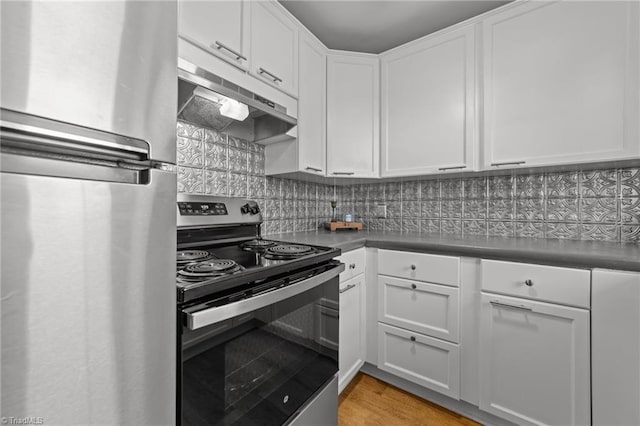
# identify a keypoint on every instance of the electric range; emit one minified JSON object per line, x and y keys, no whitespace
{"x":258,"y":329}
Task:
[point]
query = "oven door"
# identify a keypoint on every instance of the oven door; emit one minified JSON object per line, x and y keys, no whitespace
{"x":258,"y":360}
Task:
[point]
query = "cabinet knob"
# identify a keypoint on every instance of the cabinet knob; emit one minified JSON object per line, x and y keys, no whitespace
{"x":528,"y":283}
{"x":413,"y":286}
{"x":413,"y":339}
{"x":413,"y":267}
{"x":352,"y":266}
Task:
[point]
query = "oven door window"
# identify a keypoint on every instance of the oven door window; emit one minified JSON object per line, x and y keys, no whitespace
{"x":260,"y":367}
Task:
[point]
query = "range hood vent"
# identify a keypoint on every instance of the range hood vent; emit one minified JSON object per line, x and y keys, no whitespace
{"x":201,"y":94}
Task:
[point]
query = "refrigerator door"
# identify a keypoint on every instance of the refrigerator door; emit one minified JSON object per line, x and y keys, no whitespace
{"x":88,"y":299}
{"x":106,"y":65}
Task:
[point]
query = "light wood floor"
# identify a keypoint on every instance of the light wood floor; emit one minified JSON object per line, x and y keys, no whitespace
{"x":369,"y":401}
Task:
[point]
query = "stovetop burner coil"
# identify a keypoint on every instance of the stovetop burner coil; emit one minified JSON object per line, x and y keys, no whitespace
{"x":195,"y":272}
{"x":290,"y":249}
{"x":257,"y":244}
{"x":287,"y":251}
{"x":189,"y":256}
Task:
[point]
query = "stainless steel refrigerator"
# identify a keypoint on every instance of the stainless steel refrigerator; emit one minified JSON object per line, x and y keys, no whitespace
{"x":88,"y":101}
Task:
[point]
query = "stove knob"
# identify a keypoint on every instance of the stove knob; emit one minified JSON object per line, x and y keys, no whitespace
{"x":254,"y":209}
{"x":245,"y":209}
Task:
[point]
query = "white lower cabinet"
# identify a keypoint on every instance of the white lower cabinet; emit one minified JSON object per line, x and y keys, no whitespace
{"x":534,"y":361}
{"x":615,"y":348}
{"x":351,"y":354}
{"x":352,"y":317}
{"x":418,"y":328}
{"x":430,"y":362}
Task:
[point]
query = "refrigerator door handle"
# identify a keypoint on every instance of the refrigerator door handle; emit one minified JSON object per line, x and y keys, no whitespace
{"x":29,"y":132}
{"x":34,"y":145}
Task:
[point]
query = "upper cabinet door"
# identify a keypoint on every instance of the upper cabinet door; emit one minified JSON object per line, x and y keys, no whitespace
{"x":274,"y":47}
{"x":312,"y":107}
{"x":352,"y":115}
{"x":561,"y":83}
{"x":428,"y":99}
{"x":219,"y":27}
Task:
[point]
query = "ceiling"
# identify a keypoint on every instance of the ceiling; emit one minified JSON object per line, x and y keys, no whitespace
{"x":376,"y":26}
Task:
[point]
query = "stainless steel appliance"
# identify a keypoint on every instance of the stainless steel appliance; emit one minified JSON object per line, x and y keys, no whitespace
{"x":210,"y":101}
{"x":88,"y":212}
{"x":258,"y":320}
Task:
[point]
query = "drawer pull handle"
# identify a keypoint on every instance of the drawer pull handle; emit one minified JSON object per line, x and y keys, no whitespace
{"x":528,"y":283}
{"x":413,"y":286}
{"x":352,"y":266}
{"x":442,"y":169}
{"x":274,"y":77}
{"x":413,"y":267}
{"x":313,"y":169}
{"x":347,"y":288}
{"x":413,"y":339}
{"x":238,"y":56}
{"x":507,"y":305}
{"x":508,"y":163}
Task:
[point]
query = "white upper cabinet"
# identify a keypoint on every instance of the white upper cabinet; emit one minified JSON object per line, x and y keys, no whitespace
{"x":428,"y":98}
{"x":353,"y":115}
{"x":219,"y":27}
{"x":307,"y":153}
{"x":274,"y":46}
{"x":561,"y":83}
{"x":312,"y":145}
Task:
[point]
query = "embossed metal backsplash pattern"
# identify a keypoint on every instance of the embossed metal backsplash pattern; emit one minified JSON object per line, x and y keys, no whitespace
{"x":593,"y":205}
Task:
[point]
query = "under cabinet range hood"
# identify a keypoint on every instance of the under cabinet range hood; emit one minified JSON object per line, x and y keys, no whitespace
{"x":208,"y":100}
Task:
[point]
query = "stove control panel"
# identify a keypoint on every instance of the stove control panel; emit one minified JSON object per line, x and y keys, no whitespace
{"x":202,"y":209}
{"x":211,"y":210}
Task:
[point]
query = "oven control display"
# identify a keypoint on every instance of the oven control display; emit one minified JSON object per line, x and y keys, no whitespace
{"x":202,"y":209}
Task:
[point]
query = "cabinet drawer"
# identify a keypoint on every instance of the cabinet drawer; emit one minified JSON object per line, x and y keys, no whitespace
{"x":353,"y":264}
{"x":430,"y":309}
{"x":547,"y":283}
{"x":418,"y":266}
{"x":429,"y":362}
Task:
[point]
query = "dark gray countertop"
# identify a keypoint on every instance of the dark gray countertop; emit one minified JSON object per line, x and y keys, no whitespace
{"x":580,"y":254}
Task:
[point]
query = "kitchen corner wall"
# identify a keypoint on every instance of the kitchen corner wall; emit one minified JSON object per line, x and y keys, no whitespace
{"x":591,"y":205}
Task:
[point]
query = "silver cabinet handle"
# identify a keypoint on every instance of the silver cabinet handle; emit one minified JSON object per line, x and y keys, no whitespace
{"x":508,"y":163}
{"x":528,"y":283}
{"x":352,"y":266}
{"x":347,"y":288}
{"x":274,"y":77}
{"x":452,"y":168}
{"x":220,"y":46}
{"x":507,"y":305}
{"x":413,"y":267}
{"x":313,"y":169}
{"x":343,"y":173}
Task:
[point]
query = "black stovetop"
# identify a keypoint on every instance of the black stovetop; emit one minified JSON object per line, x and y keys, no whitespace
{"x":253,"y":265}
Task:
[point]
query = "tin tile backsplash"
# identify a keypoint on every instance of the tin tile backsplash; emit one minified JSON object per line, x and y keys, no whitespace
{"x":591,"y":205}
{"x":213,"y":163}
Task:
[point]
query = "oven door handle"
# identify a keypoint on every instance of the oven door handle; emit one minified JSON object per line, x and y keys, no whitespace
{"x":205,"y":317}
